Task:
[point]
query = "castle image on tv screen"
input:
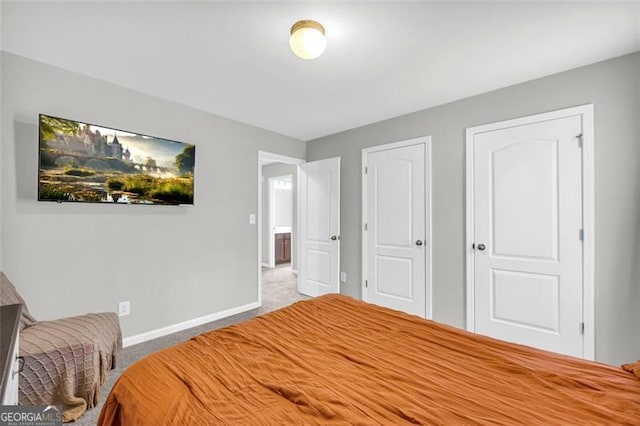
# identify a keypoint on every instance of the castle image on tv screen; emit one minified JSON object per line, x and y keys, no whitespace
{"x":86,"y":163}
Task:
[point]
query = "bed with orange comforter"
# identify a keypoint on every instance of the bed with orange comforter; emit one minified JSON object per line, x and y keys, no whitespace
{"x":337,"y":360}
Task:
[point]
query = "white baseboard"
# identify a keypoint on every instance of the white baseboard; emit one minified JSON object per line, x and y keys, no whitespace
{"x":294,"y":271}
{"x":265,"y":265}
{"x":154,"y":334}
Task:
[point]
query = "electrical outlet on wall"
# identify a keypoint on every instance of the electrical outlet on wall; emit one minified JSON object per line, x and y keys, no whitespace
{"x":252,"y":219}
{"x":124,"y":308}
{"x":343,"y":277}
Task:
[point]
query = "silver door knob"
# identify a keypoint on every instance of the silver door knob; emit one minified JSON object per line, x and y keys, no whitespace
{"x":481,"y":247}
{"x":419,"y":242}
{"x":334,"y":237}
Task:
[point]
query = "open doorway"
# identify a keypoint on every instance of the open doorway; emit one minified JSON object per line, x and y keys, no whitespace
{"x":278,"y":216}
{"x":277,"y":230}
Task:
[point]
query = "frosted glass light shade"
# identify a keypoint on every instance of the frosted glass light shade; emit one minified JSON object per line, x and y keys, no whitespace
{"x":307,"y":39}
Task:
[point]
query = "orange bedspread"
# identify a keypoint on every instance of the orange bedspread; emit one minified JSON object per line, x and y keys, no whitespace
{"x":334,"y":359}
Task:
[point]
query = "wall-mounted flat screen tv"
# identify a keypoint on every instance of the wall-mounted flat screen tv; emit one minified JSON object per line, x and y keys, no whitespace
{"x":81,"y":162}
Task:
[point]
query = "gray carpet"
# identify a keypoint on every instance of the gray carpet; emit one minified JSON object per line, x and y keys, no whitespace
{"x":279,"y":289}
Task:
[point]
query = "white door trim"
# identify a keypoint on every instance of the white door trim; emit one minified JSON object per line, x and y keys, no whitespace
{"x":588,"y":209}
{"x":271,"y":258}
{"x":426,"y":141}
{"x":269,"y":157}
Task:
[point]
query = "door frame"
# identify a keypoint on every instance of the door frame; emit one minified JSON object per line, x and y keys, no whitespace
{"x":588,"y":209}
{"x":422,"y":140}
{"x":271,"y":257}
{"x":263,"y":159}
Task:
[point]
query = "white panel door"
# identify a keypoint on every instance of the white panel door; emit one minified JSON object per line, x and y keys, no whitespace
{"x":527,"y":227}
{"x":319,"y":195}
{"x":396,"y":234}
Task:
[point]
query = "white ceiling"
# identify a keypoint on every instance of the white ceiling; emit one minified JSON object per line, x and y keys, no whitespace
{"x":383,"y":59}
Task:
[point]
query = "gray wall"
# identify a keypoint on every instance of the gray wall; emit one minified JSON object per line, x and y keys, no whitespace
{"x":172,"y":263}
{"x":1,"y":126}
{"x":614,"y":88}
{"x":1,"y":161}
{"x":279,"y":169}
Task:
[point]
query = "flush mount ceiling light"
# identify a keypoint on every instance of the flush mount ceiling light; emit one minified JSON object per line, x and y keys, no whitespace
{"x":307,"y":39}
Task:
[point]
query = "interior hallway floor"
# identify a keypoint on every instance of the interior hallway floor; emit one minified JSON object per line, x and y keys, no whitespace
{"x":279,"y":289}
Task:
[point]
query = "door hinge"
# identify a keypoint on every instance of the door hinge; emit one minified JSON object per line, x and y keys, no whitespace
{"x":366,"y":283}
{"x":366,"y":170}
{"x":581,"y":328}
{"x":579,"y":139}
{"x":582,"y":235}
{"x":366,"y":227}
